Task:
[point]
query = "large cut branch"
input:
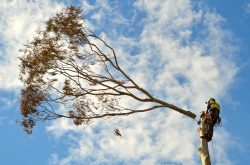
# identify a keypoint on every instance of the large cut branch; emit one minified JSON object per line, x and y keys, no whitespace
{"x":68,"y":65}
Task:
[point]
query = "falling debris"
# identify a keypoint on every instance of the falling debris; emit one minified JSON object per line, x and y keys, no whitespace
{"x":117,"y":132}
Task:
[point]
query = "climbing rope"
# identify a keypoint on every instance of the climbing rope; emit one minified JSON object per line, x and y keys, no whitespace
{"x":218,"y":125}
{"x":213,"y":152}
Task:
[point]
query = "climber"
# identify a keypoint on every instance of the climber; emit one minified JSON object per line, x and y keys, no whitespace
{"x":212,"y":116}
{"x":213,"y":109}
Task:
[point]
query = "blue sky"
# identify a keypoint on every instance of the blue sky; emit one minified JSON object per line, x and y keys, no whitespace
{"x":237,"y":15}
{"x":183,"y":52}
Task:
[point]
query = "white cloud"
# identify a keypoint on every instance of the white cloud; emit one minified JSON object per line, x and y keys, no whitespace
{"x":101,"y":12}
{"x":185,"y":58}
{"x":6,"y":103}
{"x":247,"y":9}
{"x":19,"y":21}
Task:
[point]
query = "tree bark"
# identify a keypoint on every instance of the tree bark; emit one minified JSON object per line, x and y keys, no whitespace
{"x":203,"y":146}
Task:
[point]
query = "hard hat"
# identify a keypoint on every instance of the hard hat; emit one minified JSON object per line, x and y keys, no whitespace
{"x":210,"y":100}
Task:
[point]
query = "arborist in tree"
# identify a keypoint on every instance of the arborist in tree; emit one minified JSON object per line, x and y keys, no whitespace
{"x":212,"y":116}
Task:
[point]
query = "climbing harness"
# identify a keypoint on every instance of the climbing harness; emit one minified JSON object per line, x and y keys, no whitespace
{"x":208,"y":126}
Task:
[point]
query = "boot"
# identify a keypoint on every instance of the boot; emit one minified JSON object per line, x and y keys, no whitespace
{"x":205,"y":136}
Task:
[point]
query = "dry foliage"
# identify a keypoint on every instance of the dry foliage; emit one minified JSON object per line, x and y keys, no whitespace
{"x":64,"y":65}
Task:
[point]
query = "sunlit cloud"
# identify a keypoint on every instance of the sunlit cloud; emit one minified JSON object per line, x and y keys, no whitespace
{"x":247,"y":9}
{"x":179,"y":57}
{"x":19,"y":22}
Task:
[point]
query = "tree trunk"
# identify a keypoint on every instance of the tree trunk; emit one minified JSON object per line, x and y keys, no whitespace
{"x":203,"y":146}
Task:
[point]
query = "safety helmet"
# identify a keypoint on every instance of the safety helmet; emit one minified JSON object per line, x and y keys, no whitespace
{"x":211,"y":100}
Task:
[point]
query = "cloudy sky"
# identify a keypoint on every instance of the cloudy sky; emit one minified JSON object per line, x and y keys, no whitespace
{"x":182,"y":51}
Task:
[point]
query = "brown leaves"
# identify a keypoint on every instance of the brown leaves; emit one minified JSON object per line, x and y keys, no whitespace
{"x":79,"y":117}
{"x":43,"y":59}
{"x":27,"y":125}
{"x":39,"y":57}
{"x":31,"y":98}
{"x":68,"y":23}
{"x":50,"y":45}
{"x":117,"y":132}
{"x":94,"y":82}
{"x":67,"y":89}
{"x":64,"y":51}
{"x":61,"y":66}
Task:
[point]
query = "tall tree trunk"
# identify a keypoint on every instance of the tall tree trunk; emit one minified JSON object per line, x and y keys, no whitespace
{"x":203,"y":146}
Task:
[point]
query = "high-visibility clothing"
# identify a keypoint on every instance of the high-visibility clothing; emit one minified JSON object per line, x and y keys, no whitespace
{"x":214,"y":104}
